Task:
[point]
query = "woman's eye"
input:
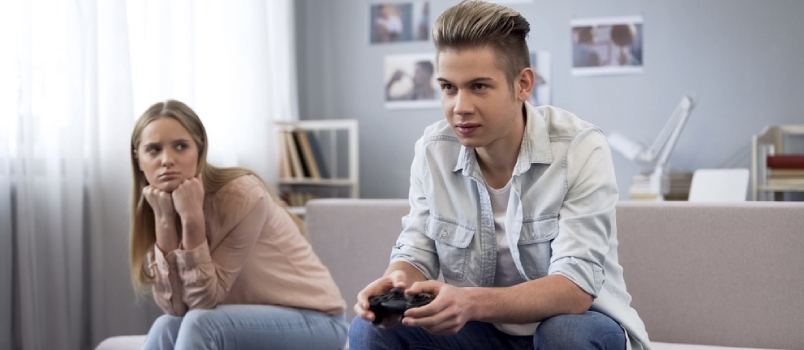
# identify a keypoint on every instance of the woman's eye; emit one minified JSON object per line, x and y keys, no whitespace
{"x":181,"y":147}
{"x":152,"y":150}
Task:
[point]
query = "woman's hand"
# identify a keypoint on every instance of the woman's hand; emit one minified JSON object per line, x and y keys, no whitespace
{"x":161,"y":202}
{"x":165,"y":218}
{"x":188,"y":199}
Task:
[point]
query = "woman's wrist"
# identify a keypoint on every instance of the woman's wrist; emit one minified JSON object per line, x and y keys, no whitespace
{"x":193,"y":230}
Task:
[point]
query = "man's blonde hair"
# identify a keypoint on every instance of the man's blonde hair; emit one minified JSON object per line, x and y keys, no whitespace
{"x":478,"y":24}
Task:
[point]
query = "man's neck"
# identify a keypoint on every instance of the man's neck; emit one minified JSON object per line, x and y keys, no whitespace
{"x":497,"y":160}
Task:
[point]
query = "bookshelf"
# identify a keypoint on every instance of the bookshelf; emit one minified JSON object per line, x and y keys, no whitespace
{"x":774,"y":144}
{"x":318,"y":159}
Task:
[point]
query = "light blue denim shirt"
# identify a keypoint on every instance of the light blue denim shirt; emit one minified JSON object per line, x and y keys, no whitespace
{"x":560,"y":219}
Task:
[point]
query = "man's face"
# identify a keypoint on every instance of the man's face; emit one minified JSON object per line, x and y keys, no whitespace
{"x":476,"y":97}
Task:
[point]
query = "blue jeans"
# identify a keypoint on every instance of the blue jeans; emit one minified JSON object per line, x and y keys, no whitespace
{"x":591,"y":330}
{"x":248,"y":327}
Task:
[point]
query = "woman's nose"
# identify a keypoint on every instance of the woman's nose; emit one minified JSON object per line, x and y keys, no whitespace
{"x":167,"y":158}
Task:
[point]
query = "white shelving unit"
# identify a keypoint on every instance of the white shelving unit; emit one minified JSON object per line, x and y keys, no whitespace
{"x":770,"y":141}
{"x":342,"y":161}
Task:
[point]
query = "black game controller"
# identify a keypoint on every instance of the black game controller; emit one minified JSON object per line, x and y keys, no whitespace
{"x":394,"y":303}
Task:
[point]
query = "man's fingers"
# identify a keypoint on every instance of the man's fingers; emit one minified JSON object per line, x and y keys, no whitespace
{"x":398,"y":279}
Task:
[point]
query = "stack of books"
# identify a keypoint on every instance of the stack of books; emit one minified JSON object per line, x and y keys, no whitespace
{"x":301,"y":156}
{"x":675,"y":186}
{"x":786,"y":170}
{"x":301,"y":159}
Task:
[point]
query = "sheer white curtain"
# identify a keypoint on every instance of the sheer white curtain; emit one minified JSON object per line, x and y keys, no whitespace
{"x":74,"y":75}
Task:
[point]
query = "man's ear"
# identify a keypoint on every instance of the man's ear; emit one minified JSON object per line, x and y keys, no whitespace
{"x":525,"y":82}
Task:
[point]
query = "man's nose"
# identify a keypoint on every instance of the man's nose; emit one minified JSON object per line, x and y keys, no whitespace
{"x":463,"y":103}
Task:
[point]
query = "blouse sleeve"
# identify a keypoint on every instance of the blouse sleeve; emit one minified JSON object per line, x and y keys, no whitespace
{"x":167,"y":288}
{"x":208,"y":276}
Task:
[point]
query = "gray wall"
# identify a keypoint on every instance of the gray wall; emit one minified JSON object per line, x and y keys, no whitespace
{"x":741,"y":59}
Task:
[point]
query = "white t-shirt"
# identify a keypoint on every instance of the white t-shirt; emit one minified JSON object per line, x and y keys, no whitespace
{"x":506,"y":273}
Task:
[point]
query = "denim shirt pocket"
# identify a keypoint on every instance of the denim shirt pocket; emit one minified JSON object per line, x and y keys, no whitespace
{"x":452,"y":243}
{"x":535,"y":244}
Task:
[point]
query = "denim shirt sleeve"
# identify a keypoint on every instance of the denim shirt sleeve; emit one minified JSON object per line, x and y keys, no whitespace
{"x":413,"y":246}
{"x":587,"y":216}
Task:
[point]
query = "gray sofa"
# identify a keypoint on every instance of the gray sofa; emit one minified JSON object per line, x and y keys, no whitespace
{"x":702,"y":276}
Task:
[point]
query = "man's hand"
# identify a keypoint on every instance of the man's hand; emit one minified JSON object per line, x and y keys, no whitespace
{"x":445,"y":315}
{"x":398,"y":74}
{"x":396,"y":279}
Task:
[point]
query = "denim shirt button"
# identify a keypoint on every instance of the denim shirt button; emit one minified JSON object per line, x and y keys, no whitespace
{"x":444,"y":233}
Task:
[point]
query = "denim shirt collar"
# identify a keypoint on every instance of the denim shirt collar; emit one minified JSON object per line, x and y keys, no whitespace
{"x":535,"y":147}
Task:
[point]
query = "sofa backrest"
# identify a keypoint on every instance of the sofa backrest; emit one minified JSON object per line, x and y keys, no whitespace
{"x":715,"y":274}
{"x":353,"y":238}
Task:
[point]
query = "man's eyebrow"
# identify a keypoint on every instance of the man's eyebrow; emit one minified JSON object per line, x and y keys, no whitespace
{"x":473,"y":81}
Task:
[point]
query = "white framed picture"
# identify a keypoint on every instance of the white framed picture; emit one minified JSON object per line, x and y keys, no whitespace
{"x":540,"y":63}
{"x":604,"y":46}
{"x":410,"y":81}
{"x":395,"y":22}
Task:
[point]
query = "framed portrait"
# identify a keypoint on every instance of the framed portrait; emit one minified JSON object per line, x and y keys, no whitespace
{"x":540,"y":63}
{"x":410,"y":82}
{"x":607,"y":46}
{"x":396,"y":22}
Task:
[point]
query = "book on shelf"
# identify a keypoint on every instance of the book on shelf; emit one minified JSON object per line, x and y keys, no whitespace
{"x":298,"y":198}
{"x":293,"y":155}
{"x":785,"y":161}
{"x":285,"y":168}
{"x":300,"y":152}
{"x":786,"y":173}
{"x":307,"y":154}
{"x":676,"y":186}
{"x":318,"y":154}
{"x":786,"y":181}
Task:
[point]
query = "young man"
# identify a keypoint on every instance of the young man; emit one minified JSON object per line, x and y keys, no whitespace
{"x":513,"y":205}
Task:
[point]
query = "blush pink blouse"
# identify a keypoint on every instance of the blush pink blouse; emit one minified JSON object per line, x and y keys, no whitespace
{"x":254,"y":254}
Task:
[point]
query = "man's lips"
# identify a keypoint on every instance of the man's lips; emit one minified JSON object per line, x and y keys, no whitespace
{"x":466,"y":128}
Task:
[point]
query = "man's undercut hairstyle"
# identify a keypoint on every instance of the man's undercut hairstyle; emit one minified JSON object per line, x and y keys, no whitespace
{"x":478,"y":24}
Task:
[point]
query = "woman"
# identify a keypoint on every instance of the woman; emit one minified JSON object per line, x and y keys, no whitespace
{"x":226,"y":263}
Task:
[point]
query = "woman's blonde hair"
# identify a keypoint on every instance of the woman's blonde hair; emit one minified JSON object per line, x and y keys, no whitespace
{"x":142,"y":233}
{"x":478,"y":24}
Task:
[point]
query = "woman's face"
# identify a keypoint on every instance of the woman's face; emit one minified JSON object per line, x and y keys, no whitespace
{"x":167,"y":154}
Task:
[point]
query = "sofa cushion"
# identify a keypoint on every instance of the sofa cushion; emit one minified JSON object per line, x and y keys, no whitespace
{"x":123,"y":342}
{"x":670,"y":346}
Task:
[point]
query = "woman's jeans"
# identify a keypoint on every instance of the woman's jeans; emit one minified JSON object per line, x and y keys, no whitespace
{"x":248,"y":327}
{"x":591,"y":330}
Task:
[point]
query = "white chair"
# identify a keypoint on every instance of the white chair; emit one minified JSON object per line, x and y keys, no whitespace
{"x":719,"y":185}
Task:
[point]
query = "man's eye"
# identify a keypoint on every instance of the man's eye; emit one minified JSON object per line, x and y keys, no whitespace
{"x":446,"y":86}
{"x":481,"y":86}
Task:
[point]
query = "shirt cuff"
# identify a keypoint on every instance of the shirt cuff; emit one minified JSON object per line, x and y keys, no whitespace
{"x":587,"y":275}
{"x":193,"y":258}
{"x":162,"y":261}
{"x":160,"y":269}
